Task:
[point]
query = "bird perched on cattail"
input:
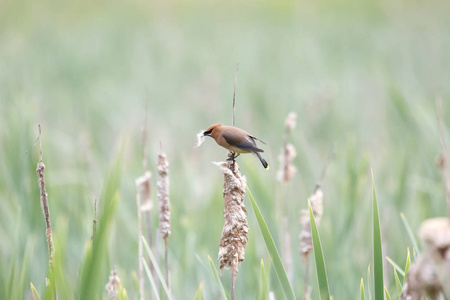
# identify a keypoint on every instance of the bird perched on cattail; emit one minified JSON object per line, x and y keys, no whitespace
{"x":234,"y":139}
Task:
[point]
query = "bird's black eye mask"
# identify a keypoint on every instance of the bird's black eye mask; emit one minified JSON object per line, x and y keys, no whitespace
{"x":207,"y":132}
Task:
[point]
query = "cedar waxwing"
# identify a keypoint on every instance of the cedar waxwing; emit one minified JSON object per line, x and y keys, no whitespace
{"x":235,"y":140}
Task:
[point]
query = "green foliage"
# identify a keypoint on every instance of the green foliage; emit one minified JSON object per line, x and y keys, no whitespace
{"x":217,"y":280}
{"x":161,"y":278}
{"x":318,"y":255}
{"x":377,"y":248}
{"x":361,"y":75}
{"x":199,"y":293}
{"x":386,"y":293}
{"x":96,"y":262}
{"x":361,"y":289}
{"x":271,"y":247}
{"x":410,"y":233}
{"x":407,"y":265}
{"x":398,"y":284}
{"x":264,"y":284}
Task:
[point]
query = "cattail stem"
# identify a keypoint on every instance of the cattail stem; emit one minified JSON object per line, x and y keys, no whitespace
{"x":234,"y":91}
{"x":44,"y":203}
{"x":140,"y":248}
{"x":233,"y":280}
{"x":443,"y":160}
{"x":94,"y":221}
{"x":287,"y":172}
{"x":166,"y":258}
{"x":306,"y":281}
{"x":143,"y":203}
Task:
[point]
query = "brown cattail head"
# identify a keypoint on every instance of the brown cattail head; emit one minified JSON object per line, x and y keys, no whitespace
{"x":316,"y":200}
{"x":113,"y":286}
{"x":143,"y":191}
{"x":44,"y":204}
{"x":431,"y":271}
{"x":235,"y":229}
{"x":163,"y":195}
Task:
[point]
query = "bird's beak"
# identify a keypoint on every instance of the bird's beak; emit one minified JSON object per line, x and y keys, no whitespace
{"x":207,"y":133}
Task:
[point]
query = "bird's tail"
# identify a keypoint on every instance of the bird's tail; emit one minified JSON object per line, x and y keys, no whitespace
{"x":263,"y":161}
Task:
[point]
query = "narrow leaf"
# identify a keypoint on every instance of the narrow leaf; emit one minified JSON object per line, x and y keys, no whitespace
{"x":278,"y":265}
{"x":264,"y":284}
{"x":396,"y":267}
{"x":157,"y":269}
{"x":199,"y":293}
{"x":150,"y":278}
{"x":34,"y":292}
{"x":318,"y":256}
{"x":362,"y":289}
{"x":410,"y":233}
{"x":217,"y":279}
{"x":407,"y":265}
{"x":377,"y":250}
{"x":369,"y":282}
{"x":398,"y":284}
{"x":386,"y":293}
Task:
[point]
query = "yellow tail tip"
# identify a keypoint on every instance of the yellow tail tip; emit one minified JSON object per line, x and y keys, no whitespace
{"x":267,"y":168}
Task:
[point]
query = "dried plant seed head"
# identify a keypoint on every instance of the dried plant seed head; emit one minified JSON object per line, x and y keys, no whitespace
{"x":200,"y":138}
{"x":422,"y":278}
{"x":316,"y":200}
{"x":435,"y":233}
{"x":143,"y":191}
{"x":113,"y":286}
{"x":235,"y":229}
{"x":291,"y":120}
{"x":45,"y":209}
{"x":286,"y":158}
{"x":163,"y":195}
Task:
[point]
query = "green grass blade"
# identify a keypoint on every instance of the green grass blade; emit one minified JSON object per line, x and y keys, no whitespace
{"x":398,"y":284}
{"x":362,"y":289}
{"x":96,"y":262}
{"x":264,"y":284}
{"x":150,"y":278}
{"x":377,"y":250}
{"x":386,"y":293}
{"x":278,"y":265}
{"x":396,"y":267}
{"x":407,"y":265}
{"x":217,"y":279}
{"x":410,"y":233}
{"x":199,"y":293}
{"x":369,"y":282}
{"x":318,"y":256}
{"x":157,"y":269}
{"x":34,"y":293}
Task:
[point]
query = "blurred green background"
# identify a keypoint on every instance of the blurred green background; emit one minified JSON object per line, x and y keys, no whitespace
{"x":361,"y":75}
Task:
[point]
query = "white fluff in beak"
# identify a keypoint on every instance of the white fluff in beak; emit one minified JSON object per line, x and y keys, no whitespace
{"x":200,"y":138}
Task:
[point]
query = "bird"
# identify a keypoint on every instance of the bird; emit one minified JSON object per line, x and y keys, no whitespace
{"x":236,"y":140}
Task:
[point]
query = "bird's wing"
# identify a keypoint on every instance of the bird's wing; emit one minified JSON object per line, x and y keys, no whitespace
{"x":235,"y":140}
{"x":255,"y":138}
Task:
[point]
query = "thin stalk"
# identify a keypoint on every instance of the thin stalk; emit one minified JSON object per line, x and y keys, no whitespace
{"x":234,"y":92}
{"x":443,"y":162}
{"x":166,"y":256}
{"x":44,"y":204}
{"x":94,"y":221}
{"x":233,"y":280}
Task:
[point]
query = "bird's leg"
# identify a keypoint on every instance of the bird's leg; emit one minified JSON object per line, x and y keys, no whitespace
{"x":232,"y":158}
